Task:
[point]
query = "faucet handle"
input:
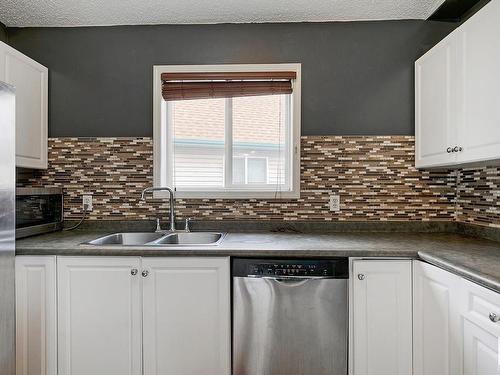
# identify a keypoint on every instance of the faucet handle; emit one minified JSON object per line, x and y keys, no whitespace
{"x":186,"y":225}
{"x":158,"y":226}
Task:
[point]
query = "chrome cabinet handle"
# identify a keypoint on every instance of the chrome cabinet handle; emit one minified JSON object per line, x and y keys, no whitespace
{"x":133,"y":271}
{"x":494,"y":318}
{"x":145,"y":273}
{"x":454,"y":149}
{"x":361,"y":276}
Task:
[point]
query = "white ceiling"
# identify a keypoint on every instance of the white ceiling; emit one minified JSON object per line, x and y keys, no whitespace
{"x":23,"y":13}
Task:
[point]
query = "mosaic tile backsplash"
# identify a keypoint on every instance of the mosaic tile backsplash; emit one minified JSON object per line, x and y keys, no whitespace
{"x":478,"y":196}
{"x":374,"y":176}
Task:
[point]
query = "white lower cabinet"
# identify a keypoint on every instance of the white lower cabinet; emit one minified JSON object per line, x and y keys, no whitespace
{"x":455,"y":329}
{"x":36,"y":315}
{"x":187,"y":316}
{"x":480,"y":350}
{"x":99,"y":316}
{"x":382,"y":317}
{"x":162,"y":316}
{"x":437,"y":340}
{"x":481,"y":329}
{"x":125,"y":315}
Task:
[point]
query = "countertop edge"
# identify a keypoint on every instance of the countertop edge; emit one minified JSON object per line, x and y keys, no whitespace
{"x":224,"y":252}
{"x":459,"y":270}
{"x":469,"y":274}
{"x":443,"y":250}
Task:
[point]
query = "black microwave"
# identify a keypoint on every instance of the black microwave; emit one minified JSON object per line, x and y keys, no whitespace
{"x":38,"y":210}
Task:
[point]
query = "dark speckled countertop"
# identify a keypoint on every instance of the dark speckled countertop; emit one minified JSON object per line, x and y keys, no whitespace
{"x":473,"y":258}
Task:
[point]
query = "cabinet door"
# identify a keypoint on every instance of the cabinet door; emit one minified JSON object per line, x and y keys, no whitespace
{"x":480,"y":134}
{"x":437,"y":103}
{"x":382,"y":316}
{"x":30,"y":81}
{"x":36,"y":319}
{"x":186,"y":316}
{"x":99,"y":316}
{"x":480,"y":350}
{"x":437,"y":339}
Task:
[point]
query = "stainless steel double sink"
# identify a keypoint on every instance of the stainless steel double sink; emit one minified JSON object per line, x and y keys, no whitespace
{"x":168,"y":239}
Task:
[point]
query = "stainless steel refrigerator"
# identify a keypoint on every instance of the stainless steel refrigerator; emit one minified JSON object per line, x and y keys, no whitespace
{"x":7,"y":229}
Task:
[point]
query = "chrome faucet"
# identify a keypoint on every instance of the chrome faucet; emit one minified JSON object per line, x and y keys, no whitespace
{"x":171,"y":201}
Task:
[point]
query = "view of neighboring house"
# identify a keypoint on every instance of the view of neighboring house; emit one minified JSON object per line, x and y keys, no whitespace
{"x":258,"y":140}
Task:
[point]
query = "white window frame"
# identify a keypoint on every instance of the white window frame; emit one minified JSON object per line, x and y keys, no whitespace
{"x":162,"y":169}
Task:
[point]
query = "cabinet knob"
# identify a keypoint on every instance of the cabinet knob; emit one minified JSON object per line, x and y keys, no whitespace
{"x":494,"y":318}
{"x":361,"y":276}
{"x":449,"y":150}
{"x":460,"y":149}
{"x":133,"y":271}
{"x":145,"y":273}
{"x":455,"y":149}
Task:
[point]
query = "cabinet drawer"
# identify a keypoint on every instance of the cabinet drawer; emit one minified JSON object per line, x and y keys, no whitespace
{"x":479,"y":304}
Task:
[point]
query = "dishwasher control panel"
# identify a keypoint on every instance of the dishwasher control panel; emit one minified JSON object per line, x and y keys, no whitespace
{"x":291,"y":269}
{"x":334,"y":268}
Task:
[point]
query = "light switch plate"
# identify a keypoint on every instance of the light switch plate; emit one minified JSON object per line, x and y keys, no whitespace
{"x":335,"y":203}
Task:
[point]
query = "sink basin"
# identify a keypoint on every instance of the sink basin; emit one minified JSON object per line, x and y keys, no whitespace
{"x":133,"y":238}
{"x":159,"y":239}
{"x":190,"y":238}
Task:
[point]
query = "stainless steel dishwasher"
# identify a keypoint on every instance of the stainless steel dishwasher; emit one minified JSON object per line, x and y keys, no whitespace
{"x":290,"y":317}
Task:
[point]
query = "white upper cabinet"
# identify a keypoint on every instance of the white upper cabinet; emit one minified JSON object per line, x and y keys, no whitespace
{"x":436,"y":112}
{"x":187,"y":316}
{"x":30,"y":80}
{"x":457,"y":96}
{"x":381,"y":318}
{"x":479,"y":134}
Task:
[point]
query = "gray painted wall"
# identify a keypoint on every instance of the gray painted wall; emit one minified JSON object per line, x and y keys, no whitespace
{"x":3,"y":33}
{"x":357,"y":76}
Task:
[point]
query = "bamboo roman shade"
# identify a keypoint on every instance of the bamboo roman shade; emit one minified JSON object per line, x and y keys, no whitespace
{"x":188,"y":86}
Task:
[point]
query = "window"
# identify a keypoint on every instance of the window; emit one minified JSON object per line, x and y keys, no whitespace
{"x":236,"y":140}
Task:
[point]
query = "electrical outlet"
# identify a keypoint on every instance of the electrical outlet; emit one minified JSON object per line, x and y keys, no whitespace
{"x":335,"y":203}
{"x":87,"y":202}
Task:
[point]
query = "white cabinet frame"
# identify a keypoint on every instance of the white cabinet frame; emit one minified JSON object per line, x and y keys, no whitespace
{"x":36,"y":315}
{"x":437,"y":321}
{"x":99,"y":315}
{"x":187,"y":315}
{"x":362,"y":326}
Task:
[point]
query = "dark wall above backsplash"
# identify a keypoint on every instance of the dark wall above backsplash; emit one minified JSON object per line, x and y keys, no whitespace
{"x":357,"y":76}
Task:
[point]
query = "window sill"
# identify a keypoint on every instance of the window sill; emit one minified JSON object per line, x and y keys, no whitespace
{"x":230,"y":195}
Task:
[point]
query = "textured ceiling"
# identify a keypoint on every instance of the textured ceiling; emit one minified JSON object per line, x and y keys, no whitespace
{"x":25,"y":13}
